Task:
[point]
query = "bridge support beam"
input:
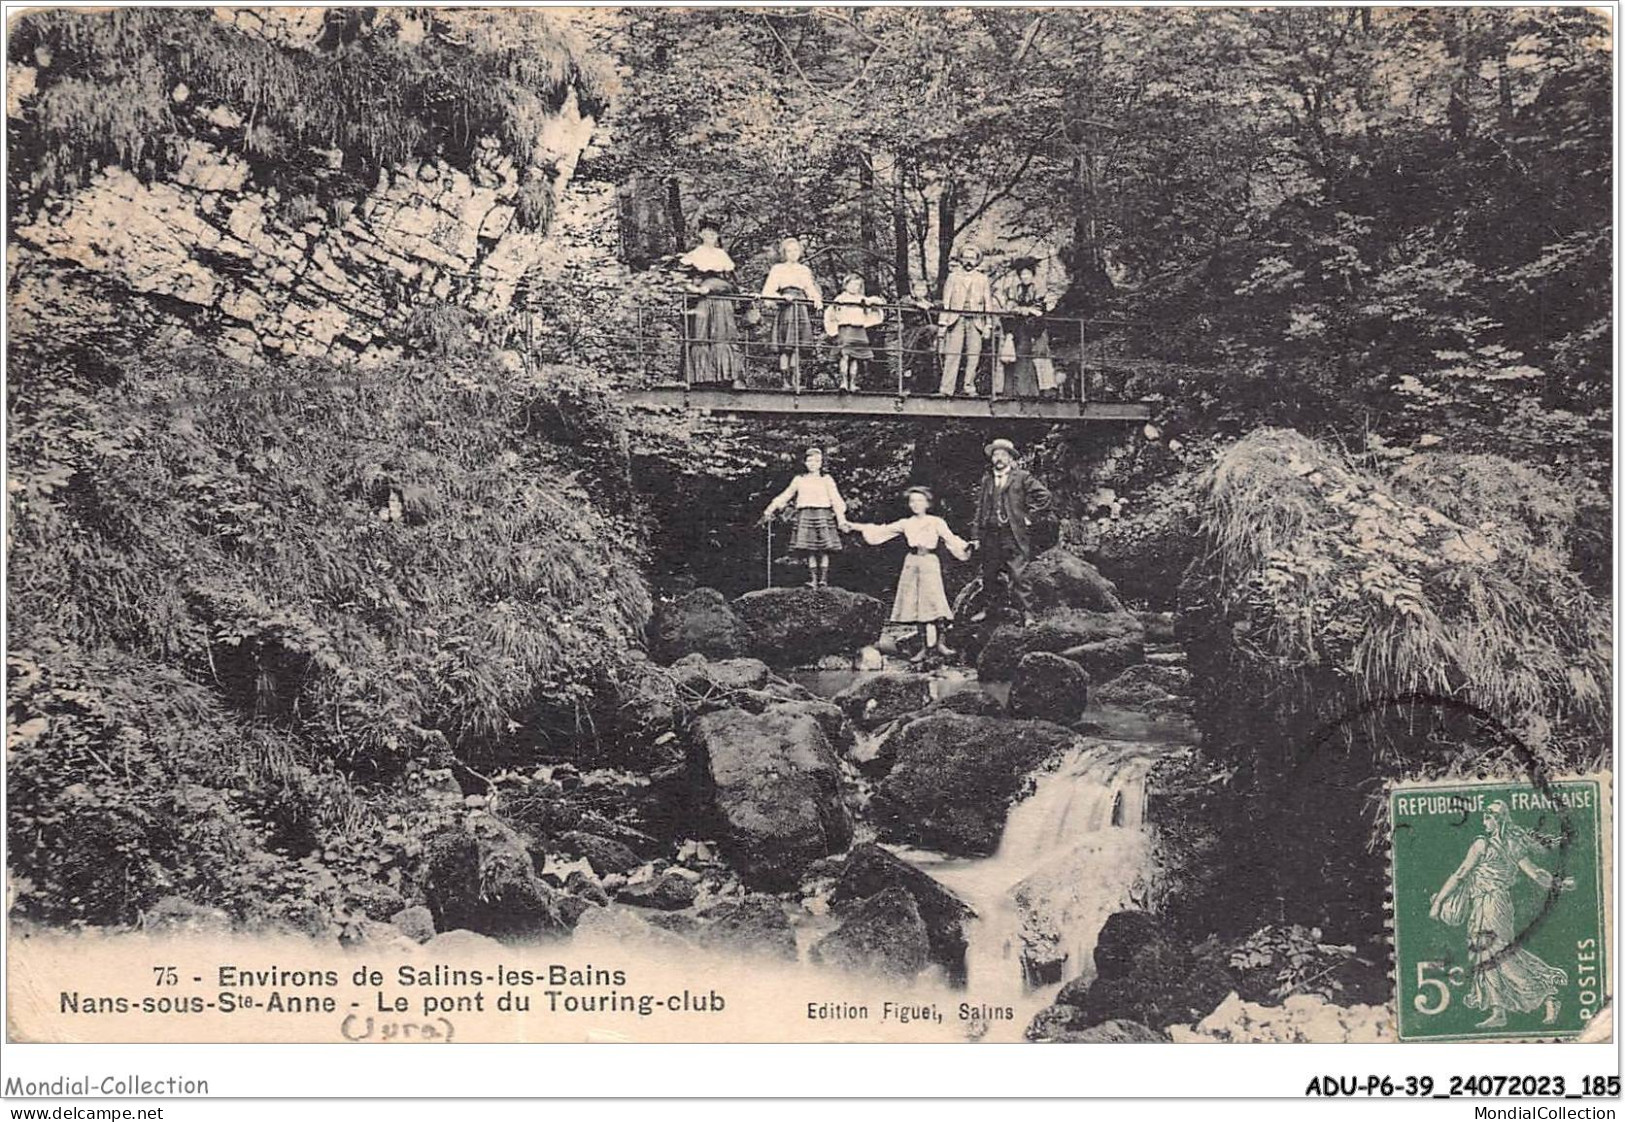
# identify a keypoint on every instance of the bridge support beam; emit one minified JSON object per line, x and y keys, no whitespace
{"x":666,"y":398}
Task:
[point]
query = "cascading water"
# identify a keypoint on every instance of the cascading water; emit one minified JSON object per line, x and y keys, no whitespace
{"x":1072,"y":853}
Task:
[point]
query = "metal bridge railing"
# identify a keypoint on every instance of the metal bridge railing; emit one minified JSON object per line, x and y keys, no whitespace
{"x":725,"y":340}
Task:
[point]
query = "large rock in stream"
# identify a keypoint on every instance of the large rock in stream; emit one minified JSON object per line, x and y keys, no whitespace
{"x":1148,"y":688}
{"x":953,"y":778}
{"x":1049,"y":687}
{"x":1103,"y":643}
{"x":879,"y":699}
{"x":482,"y":877}
{"x":883,"y":934}
{"x":870,"y":870}
{"x":794,"y":626}
{"x":1141,"y":975}
{"x":774,"y":784}
{"x":698,"y":622}
{"x":1059,"y":578}
{"x":700,"y":677}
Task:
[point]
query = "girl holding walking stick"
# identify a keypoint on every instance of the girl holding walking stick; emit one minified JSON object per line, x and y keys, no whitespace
{"x":820,"y":517}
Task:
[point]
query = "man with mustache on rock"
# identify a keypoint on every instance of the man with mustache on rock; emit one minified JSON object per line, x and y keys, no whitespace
{"x":1004,"y":520}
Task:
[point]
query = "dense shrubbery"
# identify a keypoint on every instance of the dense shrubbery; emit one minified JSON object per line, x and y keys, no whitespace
{"x":1349,"y":626}
{"x":230,"y":587}
{"x":129,"y":783}
{"x":380,"y":561}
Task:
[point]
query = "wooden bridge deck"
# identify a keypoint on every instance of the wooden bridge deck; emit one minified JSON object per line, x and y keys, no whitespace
{"x":723,"y":400}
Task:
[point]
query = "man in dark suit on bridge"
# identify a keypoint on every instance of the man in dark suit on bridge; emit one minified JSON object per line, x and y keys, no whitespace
{"x":1009,"y":499}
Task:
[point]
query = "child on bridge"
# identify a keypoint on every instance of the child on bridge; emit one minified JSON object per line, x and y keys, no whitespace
{"x":848,"y":318}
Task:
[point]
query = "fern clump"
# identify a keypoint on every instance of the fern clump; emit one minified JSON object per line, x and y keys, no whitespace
{"x":1348,"y":626}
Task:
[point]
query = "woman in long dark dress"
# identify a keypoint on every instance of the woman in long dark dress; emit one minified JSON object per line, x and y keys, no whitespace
{"x":712,"y":353}
{"x":1033,"y":372}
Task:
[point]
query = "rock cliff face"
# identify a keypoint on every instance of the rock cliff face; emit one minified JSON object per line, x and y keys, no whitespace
{"x":206,"y":250}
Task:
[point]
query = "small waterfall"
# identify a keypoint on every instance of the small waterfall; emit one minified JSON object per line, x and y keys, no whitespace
{"x":1072,"y":853}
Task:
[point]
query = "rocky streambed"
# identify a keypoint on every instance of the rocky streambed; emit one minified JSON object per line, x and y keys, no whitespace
{"x":796,"y":797}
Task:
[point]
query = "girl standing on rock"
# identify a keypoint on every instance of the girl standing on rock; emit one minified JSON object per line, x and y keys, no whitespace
{"x":820,"y":517}
{"x":921,"y":599}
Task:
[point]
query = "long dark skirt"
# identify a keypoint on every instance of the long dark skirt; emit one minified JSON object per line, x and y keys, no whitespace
{"x":1032,"y":347}
{"x":713,"y":349}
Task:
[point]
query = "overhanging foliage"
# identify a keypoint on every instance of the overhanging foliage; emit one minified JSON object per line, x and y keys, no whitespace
{"x":130,"y":86}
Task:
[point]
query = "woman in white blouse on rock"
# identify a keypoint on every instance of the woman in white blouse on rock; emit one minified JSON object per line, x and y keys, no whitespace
{"x":921,"y":598}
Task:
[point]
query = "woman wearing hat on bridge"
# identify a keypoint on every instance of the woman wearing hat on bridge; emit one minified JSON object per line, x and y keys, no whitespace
{"x":920,"y":599}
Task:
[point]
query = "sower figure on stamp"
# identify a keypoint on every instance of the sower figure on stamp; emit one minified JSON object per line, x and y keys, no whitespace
{"x":1506,"y":977}
{"x":1004,"y":519}
{"x":966,"y":321}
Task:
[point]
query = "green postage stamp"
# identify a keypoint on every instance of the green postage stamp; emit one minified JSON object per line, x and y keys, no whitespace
{"x":1499,"y":909}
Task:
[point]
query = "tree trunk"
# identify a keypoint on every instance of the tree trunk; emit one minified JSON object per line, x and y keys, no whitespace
{"x":899,"y":229}
{"x":1456,"y":46}
{"x":947,"y":206}
{"x":1088,"y":263}
{"x":866,"y":221}
{"x":674,"y":213}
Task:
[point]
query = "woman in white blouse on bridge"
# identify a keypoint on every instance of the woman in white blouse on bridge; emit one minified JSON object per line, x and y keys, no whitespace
{"x":790,"y":288}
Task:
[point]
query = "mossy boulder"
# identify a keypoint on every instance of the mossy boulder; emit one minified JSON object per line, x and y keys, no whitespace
{"x":698,"y":622}
{"x":773,"y":783}
{"x":668,"y":892}
{"x":699,"y":677}
{"x":605,"y":855}
{"x":1103,"y":643}
{"x":882,"y":934}
{"x":1048,"y":687}
{"x":797,"y":626}
{"x":754,"y":925}
{"x":869,"y":870}
{"x":879,"y":699}
{"x":1151,"y":689}
{"x":1059,"y":578}
{"x":953,"y":778}
{"x":482,"y":878}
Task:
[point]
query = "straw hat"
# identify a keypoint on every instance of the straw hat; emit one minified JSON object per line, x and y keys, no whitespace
{"x":996,"y":445}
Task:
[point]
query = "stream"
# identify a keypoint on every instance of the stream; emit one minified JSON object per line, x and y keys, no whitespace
{"x":1074,"y":850}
